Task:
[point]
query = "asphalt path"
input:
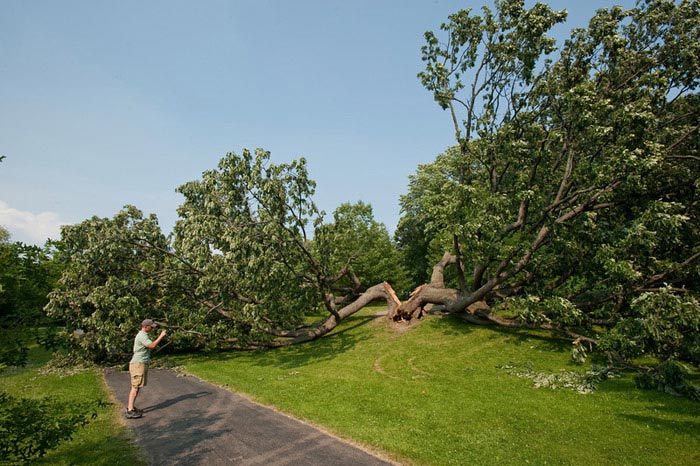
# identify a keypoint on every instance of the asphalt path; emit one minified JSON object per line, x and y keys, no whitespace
{"x":188,"y":421}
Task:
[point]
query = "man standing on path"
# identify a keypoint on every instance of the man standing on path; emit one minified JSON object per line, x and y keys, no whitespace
{"x":138,"y":367}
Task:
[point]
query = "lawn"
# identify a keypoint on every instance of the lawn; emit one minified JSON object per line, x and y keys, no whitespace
{"x":438,"y":394}
{"x":104,"y":442}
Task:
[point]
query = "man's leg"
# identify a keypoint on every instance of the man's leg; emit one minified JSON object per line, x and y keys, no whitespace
{"x":132,"y":398}
{"x":138,"y":380}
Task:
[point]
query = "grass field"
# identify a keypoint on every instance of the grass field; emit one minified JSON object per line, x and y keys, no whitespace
{"x":104,"y":442}
{"x":437,"y":394}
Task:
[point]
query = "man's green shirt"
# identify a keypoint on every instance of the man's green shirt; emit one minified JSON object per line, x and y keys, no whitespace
{"x":142,"y":353}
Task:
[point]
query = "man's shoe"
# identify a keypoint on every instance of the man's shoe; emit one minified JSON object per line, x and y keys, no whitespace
{"x":133,"y":414}
{"x":138,"y":410}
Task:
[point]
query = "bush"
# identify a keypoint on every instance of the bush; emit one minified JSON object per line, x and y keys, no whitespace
{"x":29,"y":428}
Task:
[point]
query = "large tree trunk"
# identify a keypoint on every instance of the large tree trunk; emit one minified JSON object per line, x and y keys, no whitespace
{"x":382,"y":291}
{"x":448,"y":299}
{"x":431,"y":293}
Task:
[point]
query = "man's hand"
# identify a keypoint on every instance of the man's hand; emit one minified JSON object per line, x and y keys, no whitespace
{"x":162,"y":334}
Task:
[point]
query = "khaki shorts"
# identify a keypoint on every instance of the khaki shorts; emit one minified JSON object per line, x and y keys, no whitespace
{"x":139,"y":374}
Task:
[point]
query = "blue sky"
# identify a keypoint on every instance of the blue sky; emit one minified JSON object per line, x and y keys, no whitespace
{"x":108,"y":103}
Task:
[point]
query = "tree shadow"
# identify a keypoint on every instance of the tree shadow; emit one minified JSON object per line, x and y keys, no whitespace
{"x":325,"y":348}
{"x":652,"y":400}
{"x":343,"y":338}
{"x":545,"y":340}
{"x":184,"y":438}
{"x":96,"y":453}
{"x":683,"y":427}
{"x":449,"y":324}
{"x":181,"y":434}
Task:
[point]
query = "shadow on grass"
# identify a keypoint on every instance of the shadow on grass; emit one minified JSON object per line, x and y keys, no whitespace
{"x":652,"y":401}
{"x":108,"y":451}
{"x":684,"y":427}
{"x":344,"y":338}
{"x":452,"y":325}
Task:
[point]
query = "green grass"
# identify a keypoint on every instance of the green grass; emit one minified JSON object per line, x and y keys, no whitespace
{"x":103,"y":442}
{"x":435,"y":395}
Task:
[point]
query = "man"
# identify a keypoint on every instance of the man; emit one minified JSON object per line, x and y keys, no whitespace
{"x":138,"y":367}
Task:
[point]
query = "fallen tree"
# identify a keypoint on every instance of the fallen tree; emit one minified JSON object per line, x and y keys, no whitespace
{"x":242,"y":270}
{"x":570,"y":201}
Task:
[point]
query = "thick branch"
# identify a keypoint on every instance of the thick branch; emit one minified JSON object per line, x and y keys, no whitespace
{"x":658,"y":277}
{"x":437,"y":279}
{"x":522,"y":215}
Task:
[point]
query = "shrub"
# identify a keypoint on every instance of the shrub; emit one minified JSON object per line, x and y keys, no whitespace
{"x":29,"y":428}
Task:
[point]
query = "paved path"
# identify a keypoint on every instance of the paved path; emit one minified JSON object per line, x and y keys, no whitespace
{"x":190,"y":422}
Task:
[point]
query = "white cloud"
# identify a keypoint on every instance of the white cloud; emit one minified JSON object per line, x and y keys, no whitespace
{"x":28,"y":227}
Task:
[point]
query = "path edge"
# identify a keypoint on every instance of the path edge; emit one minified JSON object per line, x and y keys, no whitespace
{"x":382,"y":455}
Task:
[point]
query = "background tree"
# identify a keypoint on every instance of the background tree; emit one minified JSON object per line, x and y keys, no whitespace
{"x":27,"y":275}
{"x":356,"y":242}
{"x":29,"y":428}
{"x":572,"y":197}
{"x":421,"y":234}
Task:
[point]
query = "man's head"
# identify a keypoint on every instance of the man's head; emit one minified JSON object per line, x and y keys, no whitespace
{"x":148,"y":324}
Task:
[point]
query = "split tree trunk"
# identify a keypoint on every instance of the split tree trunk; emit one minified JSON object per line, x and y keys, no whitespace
{"x":472,"y":306}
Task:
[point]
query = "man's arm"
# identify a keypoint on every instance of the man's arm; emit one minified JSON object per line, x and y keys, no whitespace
{"x":155,"y":342}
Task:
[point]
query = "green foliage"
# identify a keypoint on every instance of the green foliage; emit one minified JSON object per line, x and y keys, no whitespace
{"x":670,"y":377}
{"x":535,"y":310}
{"x":27,"y":274}
{"x":29,"y":428}
{"x":435,"y":212}
{"x":502,"y":48}
{"x":246,"y":228}
{"x":662,"y":324}
{"x":262,"y":252}
{"x":4,"y":235}
{"x":13,"y":350}
{"x":412,"y":245}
